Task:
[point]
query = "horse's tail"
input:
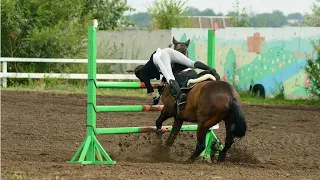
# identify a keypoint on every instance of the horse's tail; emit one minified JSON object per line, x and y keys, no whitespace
{"x":237,"y":114}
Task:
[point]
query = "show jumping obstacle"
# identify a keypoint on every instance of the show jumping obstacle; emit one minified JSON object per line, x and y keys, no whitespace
{"x":91,"y":151}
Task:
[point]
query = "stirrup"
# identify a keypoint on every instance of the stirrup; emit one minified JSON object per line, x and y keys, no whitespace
{"x":182,"y":101}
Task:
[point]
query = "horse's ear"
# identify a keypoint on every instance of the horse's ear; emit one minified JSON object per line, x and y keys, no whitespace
{"x":187,"y":42}
{"x":174,"y":41}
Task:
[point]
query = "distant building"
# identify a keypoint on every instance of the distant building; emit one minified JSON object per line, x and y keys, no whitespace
{"x":208,"y":21}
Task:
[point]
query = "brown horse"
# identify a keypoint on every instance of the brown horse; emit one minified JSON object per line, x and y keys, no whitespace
{"x":208,"y":103}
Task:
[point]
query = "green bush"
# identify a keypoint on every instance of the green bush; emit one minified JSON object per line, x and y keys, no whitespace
{"x":54,"y":29}
{"x":167,"y":14}
{"x":313,"y":71}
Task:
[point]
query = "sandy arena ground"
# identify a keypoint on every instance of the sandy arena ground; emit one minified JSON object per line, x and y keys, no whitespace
{"x":41,"y":131}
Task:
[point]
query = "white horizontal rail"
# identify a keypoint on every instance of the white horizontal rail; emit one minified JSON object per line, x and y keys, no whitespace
{"x":52,"y":60}
{"x":4,"y":74}
{"x":66,"y":76}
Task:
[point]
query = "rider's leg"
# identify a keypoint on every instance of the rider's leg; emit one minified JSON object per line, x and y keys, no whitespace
{"x":179,"y":58}
{"x":164,"y":64}
{"x":200,"y":65}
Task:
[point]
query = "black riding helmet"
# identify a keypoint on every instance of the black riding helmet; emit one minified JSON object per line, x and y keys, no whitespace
{"x":138,"y":71}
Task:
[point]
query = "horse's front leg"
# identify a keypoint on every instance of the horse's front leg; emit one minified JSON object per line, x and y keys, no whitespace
{"x":163,"y":117}
{"x":162,"y":151}
{"x":174,"y":132}
{"x":201,"y":143}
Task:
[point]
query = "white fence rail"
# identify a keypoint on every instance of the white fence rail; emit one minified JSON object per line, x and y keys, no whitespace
{"x":5,"y":74}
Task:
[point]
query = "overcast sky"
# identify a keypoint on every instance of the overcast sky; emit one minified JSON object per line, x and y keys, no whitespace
{"x":224,"y":6}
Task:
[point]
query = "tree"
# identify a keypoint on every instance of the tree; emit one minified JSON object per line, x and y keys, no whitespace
{"x":278,"y":19}
{"x":41,"y":28}
{"x":207,"y":12}
{"x":261,"y":20}
{"x":192,"y":11}
{"x":296,"y":15}
{"x":239,"y":18}
{"x":53,"y":29}
{"x":142,"y":19}
{"x":109,"y":13}
{"x":274,"y":19}
{"x":313,"y":19}
{"x":231,"y":13}
{"x":168,"y":14}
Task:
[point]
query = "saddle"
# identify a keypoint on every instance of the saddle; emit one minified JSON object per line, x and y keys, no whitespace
{"x":187,"y":79}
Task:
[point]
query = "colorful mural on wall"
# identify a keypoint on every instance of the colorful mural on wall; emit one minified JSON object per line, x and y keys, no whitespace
{"x":273,"y":57}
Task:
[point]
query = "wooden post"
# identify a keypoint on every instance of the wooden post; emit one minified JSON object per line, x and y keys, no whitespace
{"x":4,"y":71}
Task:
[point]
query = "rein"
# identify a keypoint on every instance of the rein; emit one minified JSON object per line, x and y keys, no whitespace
{"x":161,"y":91}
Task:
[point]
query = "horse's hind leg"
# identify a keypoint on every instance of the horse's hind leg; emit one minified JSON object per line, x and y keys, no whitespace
{"x":174,"y":132}
{"x":201,"y":143}
{"x":228,"y":141}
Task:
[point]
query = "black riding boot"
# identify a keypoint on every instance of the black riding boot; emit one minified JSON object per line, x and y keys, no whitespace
{"x":200,"y":65}
{"x":180,"y":98}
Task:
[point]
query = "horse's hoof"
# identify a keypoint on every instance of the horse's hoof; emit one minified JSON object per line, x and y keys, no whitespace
{"x":163,"y":149}
{"x":222,"y":156}
{"x":159,"y":132}
{"x":220,"y":159}
{"x":188,"y":161}
{"x":213,"y":158}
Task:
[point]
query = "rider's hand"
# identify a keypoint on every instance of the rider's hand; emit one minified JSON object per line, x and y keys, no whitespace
{"x":160,"y":89}
{"x":155,"y":100}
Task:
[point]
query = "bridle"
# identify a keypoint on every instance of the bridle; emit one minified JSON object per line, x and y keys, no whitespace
{"x":161,"y":91}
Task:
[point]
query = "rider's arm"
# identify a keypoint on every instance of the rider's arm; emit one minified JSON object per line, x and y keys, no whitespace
{"x":150,"y":92}
{"x":148,"y":86}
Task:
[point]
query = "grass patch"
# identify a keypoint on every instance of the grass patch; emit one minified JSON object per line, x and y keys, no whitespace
{"x":17,"y":176}
{"x":80,"y":88}
{"x":251,"y":99}
{"x":256,"y":100}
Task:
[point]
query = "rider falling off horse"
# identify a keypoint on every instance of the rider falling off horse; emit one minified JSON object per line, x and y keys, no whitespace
{"x":161,"y":62}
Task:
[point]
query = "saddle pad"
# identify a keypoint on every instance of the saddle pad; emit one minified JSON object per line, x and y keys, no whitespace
{"x":215,"y":127}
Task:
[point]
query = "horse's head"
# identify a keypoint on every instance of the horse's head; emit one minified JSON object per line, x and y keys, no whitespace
{"x":181,"y":46}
